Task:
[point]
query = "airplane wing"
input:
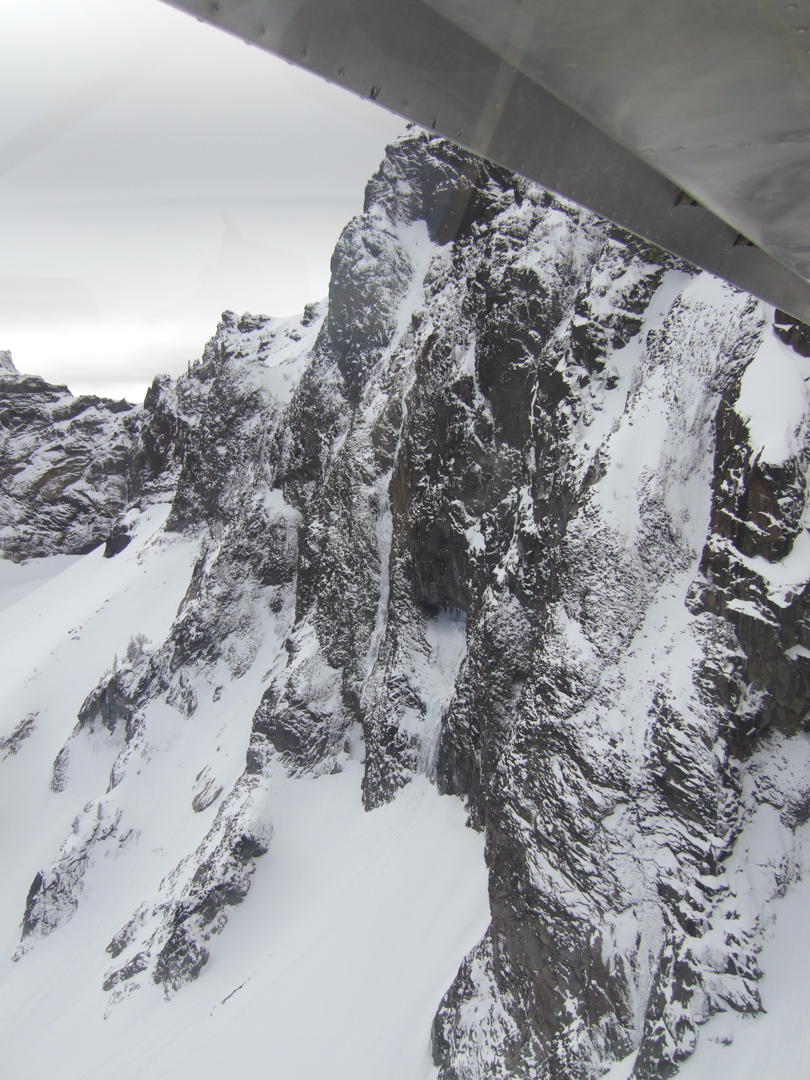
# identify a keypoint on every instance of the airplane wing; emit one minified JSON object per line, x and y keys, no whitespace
{"x":686,"y":122}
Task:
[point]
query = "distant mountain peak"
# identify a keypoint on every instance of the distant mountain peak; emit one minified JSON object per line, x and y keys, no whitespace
{"x":6,"y":363}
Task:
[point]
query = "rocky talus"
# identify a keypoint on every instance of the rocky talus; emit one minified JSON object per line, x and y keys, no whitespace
{"x":504,"y":506}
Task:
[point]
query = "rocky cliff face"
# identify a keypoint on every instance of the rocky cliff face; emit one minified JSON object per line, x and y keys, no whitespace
{"x":508,"y":511}
{"x":67,"y":466}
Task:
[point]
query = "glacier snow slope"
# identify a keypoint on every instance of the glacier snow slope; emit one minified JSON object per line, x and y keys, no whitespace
{"x":355,"y":923}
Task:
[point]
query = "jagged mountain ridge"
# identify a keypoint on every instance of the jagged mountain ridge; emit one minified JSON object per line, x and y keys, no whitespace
{"x":494,"y":515}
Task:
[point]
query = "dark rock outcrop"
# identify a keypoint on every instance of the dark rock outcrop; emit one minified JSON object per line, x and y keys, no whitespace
{"x":69,"y":466}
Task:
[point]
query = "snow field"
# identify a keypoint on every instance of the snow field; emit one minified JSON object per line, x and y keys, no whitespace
{"x":355,"y":924}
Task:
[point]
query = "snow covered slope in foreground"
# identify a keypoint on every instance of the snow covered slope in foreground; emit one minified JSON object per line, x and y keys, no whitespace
{"x":355,"y":923}
{"x":776,"y":1044}
{"x":519,"y":517}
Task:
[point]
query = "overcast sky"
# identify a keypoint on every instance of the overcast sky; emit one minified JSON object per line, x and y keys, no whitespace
{"x":153,"y":172}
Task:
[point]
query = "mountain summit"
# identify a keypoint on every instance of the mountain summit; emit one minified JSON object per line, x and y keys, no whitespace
{"x":418,"y":687}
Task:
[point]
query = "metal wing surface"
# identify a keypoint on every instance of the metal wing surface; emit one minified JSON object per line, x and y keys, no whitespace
{"x":685,"y":121}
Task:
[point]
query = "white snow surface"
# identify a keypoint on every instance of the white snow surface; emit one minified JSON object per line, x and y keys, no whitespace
{"x":774,"y":399}
{"x":657,"y":433}
{"x":355,"y":923}
{"x":19,"y":579}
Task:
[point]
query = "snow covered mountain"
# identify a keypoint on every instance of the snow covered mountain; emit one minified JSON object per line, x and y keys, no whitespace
{"x":419,"y":687}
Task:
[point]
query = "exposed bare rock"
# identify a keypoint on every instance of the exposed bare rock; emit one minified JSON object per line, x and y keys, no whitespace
{"x":12,"y":743}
